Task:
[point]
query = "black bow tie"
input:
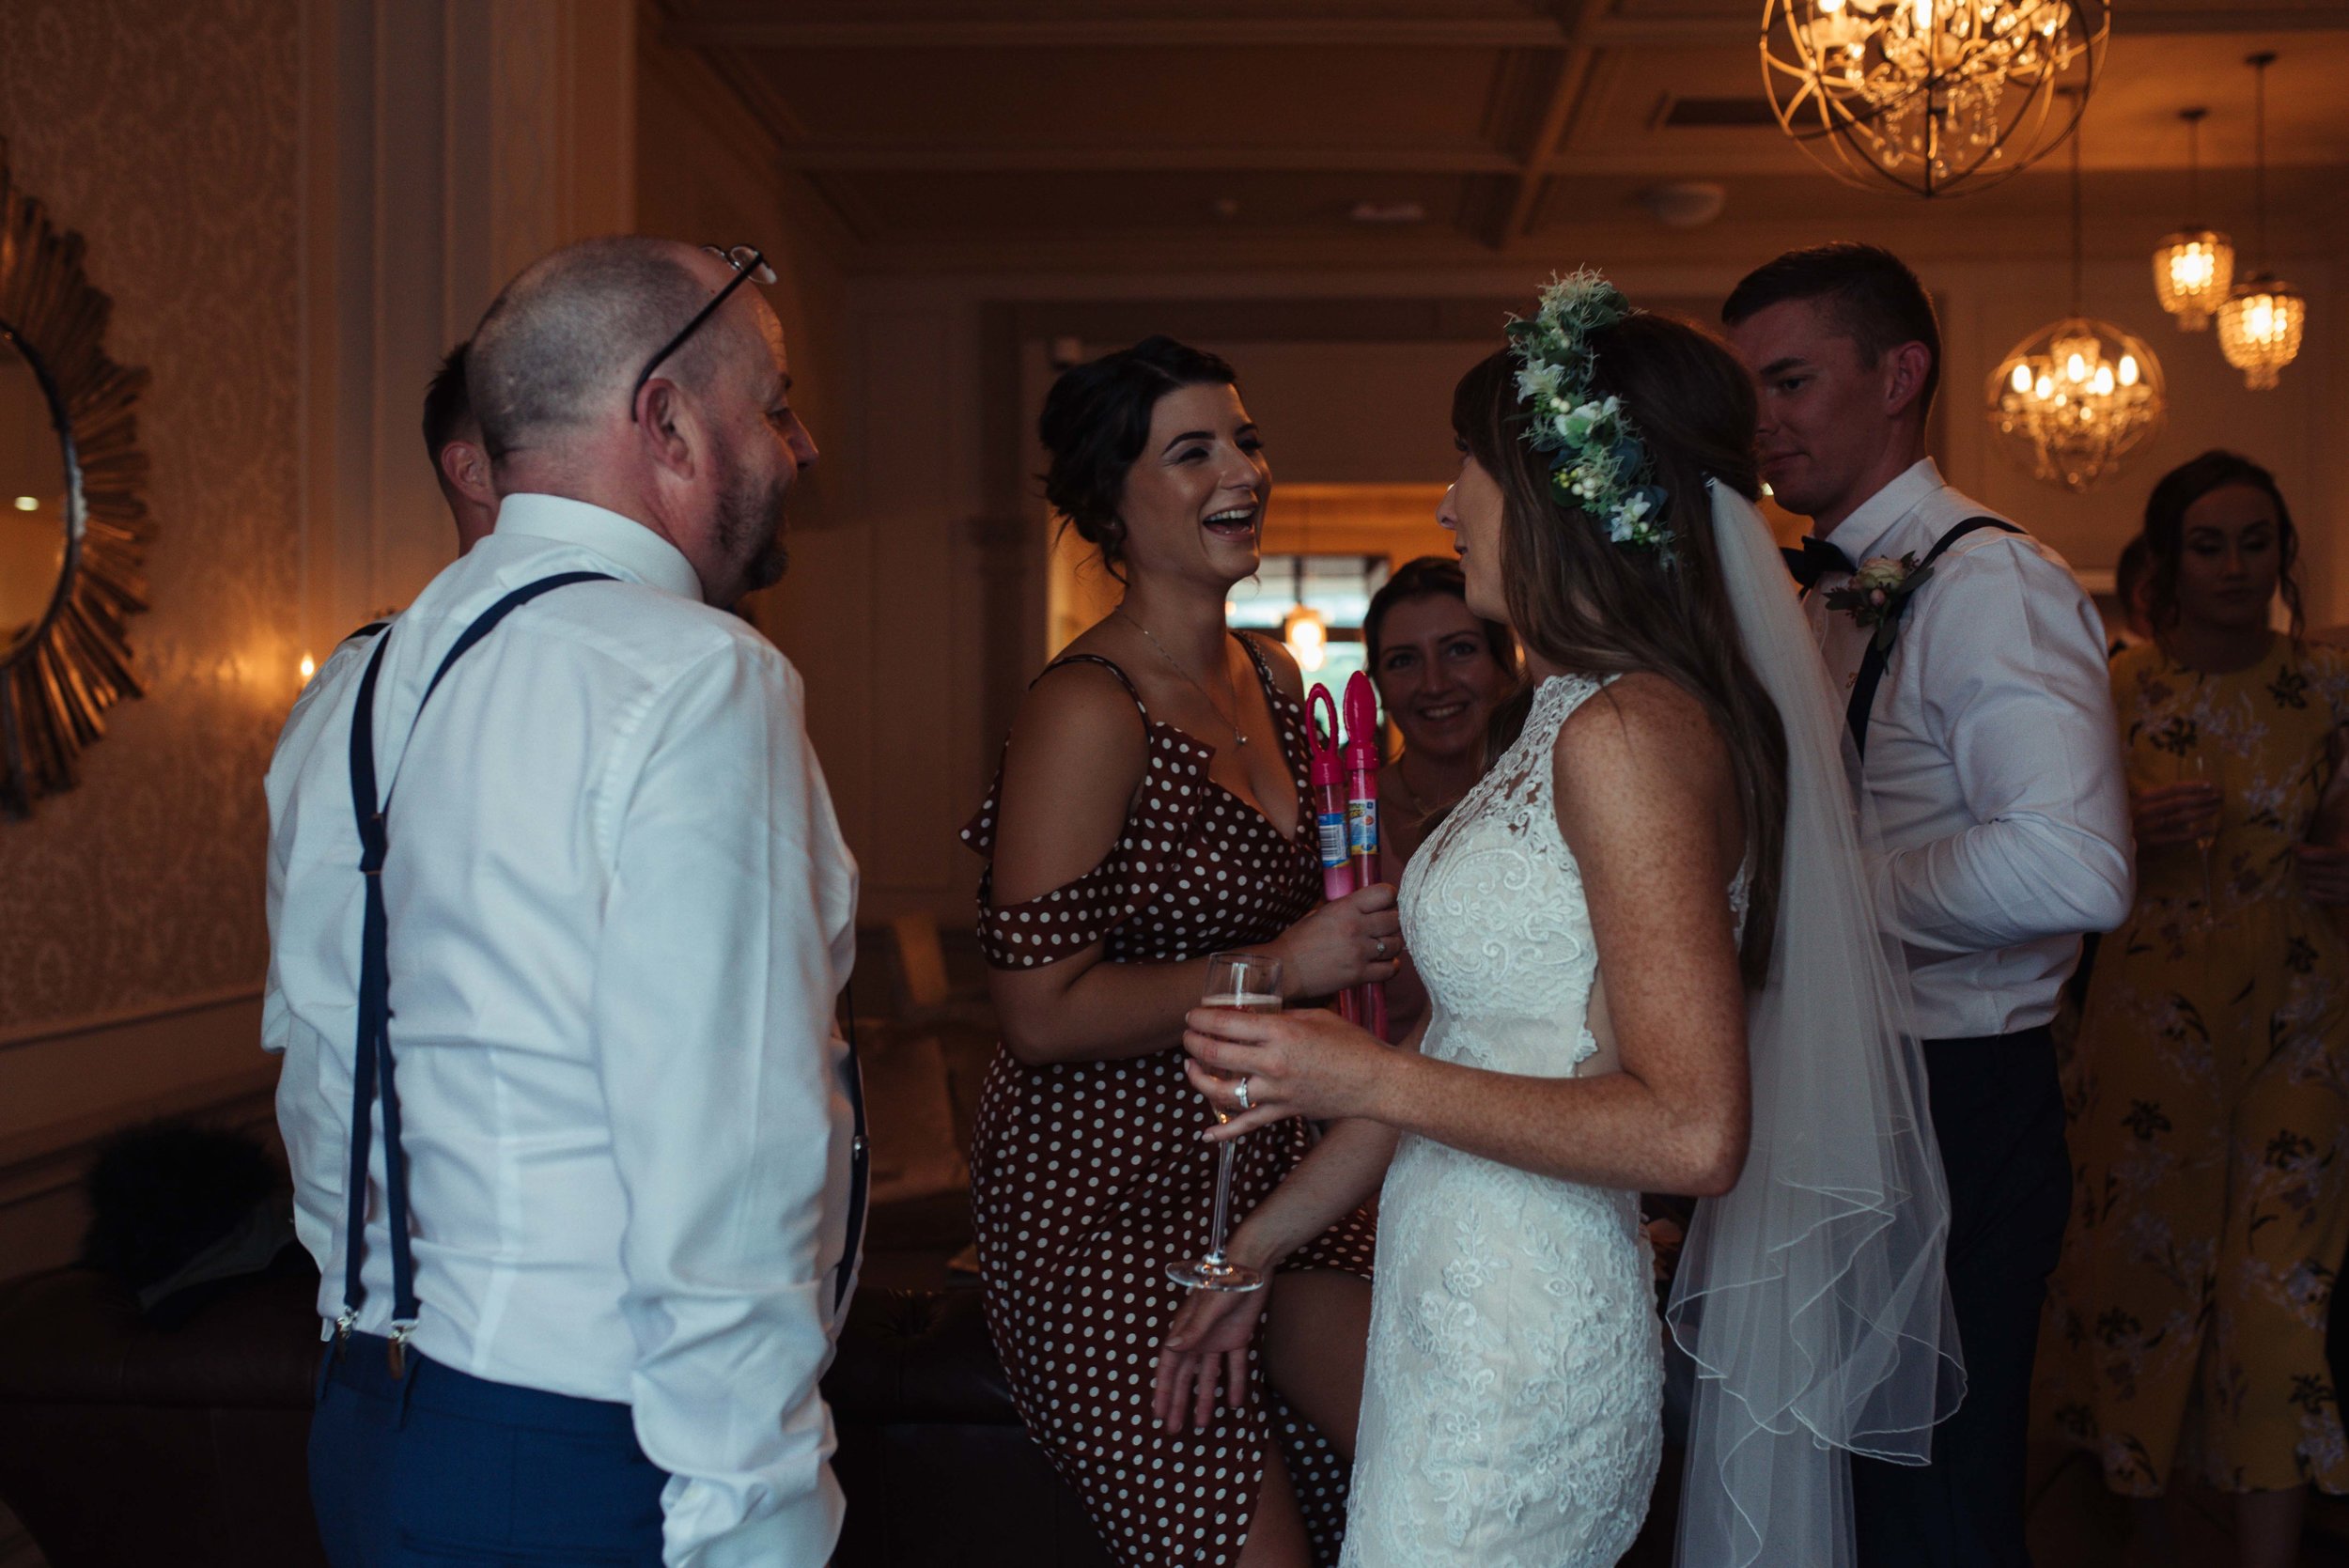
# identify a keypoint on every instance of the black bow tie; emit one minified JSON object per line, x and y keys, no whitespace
{"x":1814,"y":560}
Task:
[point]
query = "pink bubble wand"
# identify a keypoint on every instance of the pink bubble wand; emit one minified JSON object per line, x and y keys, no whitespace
{"x":1361,"y":828}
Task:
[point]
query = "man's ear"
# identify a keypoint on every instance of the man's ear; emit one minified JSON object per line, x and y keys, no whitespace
{"x":669,"y":426}
{"x":466,"y":467}
{"x":1906,"y":368}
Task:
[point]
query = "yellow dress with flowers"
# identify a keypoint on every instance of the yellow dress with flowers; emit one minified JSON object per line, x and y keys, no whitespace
{"x":2210,"y":1126}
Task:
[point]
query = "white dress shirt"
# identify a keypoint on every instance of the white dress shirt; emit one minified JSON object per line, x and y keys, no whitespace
{"x":1993,"y":758}
{"x":620,"y":912}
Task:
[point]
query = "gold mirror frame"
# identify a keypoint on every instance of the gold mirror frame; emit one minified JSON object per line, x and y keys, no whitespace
{"x":56,"y":686}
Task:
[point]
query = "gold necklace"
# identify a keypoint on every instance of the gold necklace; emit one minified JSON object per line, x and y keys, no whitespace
{"x":1218,"y":708}
{"x":1403,"y":777}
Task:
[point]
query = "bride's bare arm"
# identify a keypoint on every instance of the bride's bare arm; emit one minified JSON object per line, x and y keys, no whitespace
{"x":1646,"y":799}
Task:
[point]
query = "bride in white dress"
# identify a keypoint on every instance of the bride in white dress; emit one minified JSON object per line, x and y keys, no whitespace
{"x":1649,"y":938}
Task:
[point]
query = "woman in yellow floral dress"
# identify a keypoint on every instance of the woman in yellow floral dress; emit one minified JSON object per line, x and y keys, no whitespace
{"x":2211,"y":1139}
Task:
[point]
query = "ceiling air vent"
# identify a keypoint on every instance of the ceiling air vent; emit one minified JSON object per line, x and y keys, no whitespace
{"x":1714,"y":113}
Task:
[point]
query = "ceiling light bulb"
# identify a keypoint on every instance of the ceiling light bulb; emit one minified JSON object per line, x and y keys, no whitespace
{"x":309,"y":668}
{"x":28,"y":503}
{"x":1925,"y":16}
{"x":1307,"y":635}
{"x":2020,"y":380}
{"x":2076,"y":368}
{"x":2128,"y":370}
{"x":2103,"y":384}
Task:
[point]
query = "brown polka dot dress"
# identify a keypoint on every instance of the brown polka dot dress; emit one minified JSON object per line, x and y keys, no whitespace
{"x":1089,"y":1178}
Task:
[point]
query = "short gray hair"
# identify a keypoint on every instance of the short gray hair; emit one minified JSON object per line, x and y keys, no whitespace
{"x":572,"y":331}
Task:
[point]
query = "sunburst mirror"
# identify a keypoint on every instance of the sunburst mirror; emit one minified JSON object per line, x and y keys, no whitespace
{"x":73,"y":523}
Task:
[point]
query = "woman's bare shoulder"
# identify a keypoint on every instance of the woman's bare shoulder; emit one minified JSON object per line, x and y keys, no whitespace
{"x":1639,"y":754}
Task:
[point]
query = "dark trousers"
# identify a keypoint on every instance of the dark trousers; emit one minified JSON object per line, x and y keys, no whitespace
{"x":1998,"y":1115}
{"x":440,"y":1469}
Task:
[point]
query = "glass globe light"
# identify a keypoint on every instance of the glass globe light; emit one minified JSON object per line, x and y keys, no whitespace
{"x":2070,"y":400}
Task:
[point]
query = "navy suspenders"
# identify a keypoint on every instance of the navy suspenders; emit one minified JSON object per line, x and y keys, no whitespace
{"x":1879,"y":654}
{"x":371,"y":1069}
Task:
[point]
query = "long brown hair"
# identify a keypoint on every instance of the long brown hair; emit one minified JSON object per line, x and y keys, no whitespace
{"x":1588,"y":605}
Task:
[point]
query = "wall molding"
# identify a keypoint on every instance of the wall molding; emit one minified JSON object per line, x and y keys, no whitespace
{"x":100,"y":1023}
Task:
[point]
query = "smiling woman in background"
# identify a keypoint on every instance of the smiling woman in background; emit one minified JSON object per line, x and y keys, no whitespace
{"x":1440,"y":669}
{"x":2213,"y":1195}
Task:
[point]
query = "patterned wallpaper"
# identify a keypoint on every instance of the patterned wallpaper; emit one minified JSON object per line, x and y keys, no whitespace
{"x":168,"y":133}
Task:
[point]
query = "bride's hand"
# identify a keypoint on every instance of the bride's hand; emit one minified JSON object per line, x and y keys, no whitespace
{"x":1309,"y":1064}
{"x":1208,"y":1340}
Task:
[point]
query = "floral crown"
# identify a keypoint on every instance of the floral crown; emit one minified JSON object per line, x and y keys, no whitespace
{"x":1597,"y":462}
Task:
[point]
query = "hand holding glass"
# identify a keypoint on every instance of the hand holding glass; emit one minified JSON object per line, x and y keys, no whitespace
{"x":1250,"y":983}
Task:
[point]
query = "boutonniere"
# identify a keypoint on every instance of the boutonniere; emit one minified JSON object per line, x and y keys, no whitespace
{"x":1877,"y":591}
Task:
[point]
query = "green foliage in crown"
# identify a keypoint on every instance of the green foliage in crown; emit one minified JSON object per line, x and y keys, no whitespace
{"x":1597,"y":463}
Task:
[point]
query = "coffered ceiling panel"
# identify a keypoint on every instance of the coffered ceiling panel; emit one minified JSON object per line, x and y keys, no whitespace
{"x":951,"y":134}
{"x":1189,"y":104}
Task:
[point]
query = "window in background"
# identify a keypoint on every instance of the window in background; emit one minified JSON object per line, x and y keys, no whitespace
{"x":1336,"y":588}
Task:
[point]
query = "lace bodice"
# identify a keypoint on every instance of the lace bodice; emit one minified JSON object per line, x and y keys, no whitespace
{"x":1494,"y":914}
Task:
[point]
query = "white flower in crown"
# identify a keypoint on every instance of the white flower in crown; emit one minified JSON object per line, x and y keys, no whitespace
{"x":1538,"y":383}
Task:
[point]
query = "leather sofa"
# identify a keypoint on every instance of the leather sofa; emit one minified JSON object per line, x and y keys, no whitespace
{"x":123,"y":1446}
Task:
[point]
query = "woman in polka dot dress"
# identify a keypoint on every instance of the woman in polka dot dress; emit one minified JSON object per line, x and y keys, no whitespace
{"x":1150,"y":811}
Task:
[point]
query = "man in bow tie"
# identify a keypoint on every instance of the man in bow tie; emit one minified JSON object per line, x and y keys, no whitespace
{"x":1979,"y":705}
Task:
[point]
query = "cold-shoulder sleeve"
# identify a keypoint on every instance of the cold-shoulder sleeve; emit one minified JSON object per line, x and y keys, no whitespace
{"x":1129,"y":879}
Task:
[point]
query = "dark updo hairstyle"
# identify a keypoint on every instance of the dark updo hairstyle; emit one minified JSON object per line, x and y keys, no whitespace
{"x":1425,"y":578}
{"x":1588,"y":605}
{"x":2165,"y":528}
{"x":1096,"y":422}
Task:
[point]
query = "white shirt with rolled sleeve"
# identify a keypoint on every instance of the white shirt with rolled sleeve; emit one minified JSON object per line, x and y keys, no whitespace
{"x":620,"y":913}
{"x":1994,"y":761}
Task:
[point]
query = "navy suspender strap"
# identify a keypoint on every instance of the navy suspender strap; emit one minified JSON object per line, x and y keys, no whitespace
{"x":1879,"y":654}
{"x":372,"y":1066}
{"x":860,"y":1162}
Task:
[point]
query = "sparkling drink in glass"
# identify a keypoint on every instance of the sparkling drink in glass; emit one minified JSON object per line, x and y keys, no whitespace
{"x":1247,"y":982}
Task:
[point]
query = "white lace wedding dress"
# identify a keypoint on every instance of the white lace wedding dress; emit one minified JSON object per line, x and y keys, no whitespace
{"x":1512,"y":1404}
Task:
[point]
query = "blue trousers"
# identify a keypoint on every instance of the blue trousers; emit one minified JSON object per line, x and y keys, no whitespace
{"x":1998,"y":1114}
{"x":439,"y":1468}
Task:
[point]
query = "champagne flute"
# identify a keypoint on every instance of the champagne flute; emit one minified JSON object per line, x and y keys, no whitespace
{"x":1247,"y":982}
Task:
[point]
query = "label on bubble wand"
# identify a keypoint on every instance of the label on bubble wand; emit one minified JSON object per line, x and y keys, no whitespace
{"x":1361,"y":826}
{"x":1332,"y":829}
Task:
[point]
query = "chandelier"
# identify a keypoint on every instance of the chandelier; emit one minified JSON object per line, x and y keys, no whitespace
{"x":1929,"y":96}
{"x":2070,"y":400}
{"x":2193,"y":267}
{"x":2260,"y":325}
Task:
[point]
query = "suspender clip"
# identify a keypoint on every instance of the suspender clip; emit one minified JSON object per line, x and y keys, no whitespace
{"x":342,"y":1330}
{"x":396,"y":1352}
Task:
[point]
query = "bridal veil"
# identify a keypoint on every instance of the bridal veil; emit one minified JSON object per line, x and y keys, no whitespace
{"x":1811,"y":1295}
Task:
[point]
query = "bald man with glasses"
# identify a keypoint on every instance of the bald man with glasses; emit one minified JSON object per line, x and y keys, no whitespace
{"x":559,"y":915}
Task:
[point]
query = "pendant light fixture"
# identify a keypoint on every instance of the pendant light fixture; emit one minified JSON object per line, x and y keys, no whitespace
{"x":2194,"y":267}
{"x":2070,"y":400}
{"x":1930,"y":97}
{"x":2260,"y":325}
